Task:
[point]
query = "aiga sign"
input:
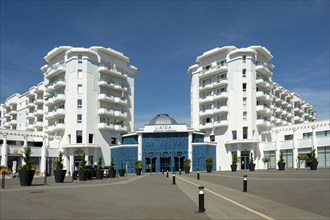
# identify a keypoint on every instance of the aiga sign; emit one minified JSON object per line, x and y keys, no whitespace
{"x":165,"y":128}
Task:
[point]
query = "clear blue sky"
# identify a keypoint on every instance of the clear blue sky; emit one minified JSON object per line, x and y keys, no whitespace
{"x":163,"y":38}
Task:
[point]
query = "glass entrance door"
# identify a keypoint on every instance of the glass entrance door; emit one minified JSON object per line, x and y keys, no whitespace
{"x":245,"y":157}
{"x":151,"y":165}
{"x":179,"y":163}
{"x":165,"y":164}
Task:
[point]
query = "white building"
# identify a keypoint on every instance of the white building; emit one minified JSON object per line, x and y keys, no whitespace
{"x":86,"y":100}
{"x":235,"y":101}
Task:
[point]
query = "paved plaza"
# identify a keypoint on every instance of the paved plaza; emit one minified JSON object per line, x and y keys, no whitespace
{"x":291,"y":194}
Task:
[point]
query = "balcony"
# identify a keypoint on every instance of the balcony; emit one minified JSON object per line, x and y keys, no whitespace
{"x":120,"y":128}
{"x":206,"y":87}
{"x":120,"y":114}
{"x":120,"y":101}
{"x":290,"y":115}
{"x":279,"y":121}
{"x":49,"y":115}
{"x":284,"y":103}
{"x":13,"y":112}
{"x":6,"y":115}
{"x":221,"y":82}
{"x":111,"y":85}
{"x":223,"y":95}
{"x":38,"y":124}
{"x":30,"y":115}
{"x":206,"y":126}
{"x":38,"y":112}
{"x":206,"y":99}
{"x":262,"y":109}
{"x":284,"y":113}
{"x":222,"y":123}
{"x":50,"y":88}
{"x":260,"y":81}
{"x":59,"y":84}
{"x":113,"y":71}
{"x":55,"y":70}
{"x":59,"y":127}
{"x":106,"y":98}
{"x":49,"y":129}
{"x":222,"y":109}
{"x":29,"y":127}
{"x":59,"y":98}
{"x":263,"y":69}
{"x":31,"y":104}
{"x":206,"y":112}
{"x":213,"y":70}
{"x":59,"y":112}
{"x":289,"y":105}
{"x":106,"y":112}
{"x":49,"y":102}
{"x":104,"y":126}
{"x":39,"y":101}
{"x":263,"y":123}
{"x":261,"y":95}
{"x":13,"y":122}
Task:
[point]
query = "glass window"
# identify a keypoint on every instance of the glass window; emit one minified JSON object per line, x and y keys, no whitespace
{"x":80,"y":76}
{"x":79,"y":118}
{"x":244,"y":87}
{"x":234,"y":133}
{"x":79,"y":136}
{"x":245,"y":132}
{"x":288,"y":137}
{"x":307,"y":135}
{"x":79,"y":88}
{"x":90,"y":138}
{"x":244,"y":72}
{"x":79,"y":103}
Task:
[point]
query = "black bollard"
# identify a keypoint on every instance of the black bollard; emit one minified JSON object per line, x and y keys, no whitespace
{"x":45,"y":178}
{"x":198,"y":175}
{"x":245,"y":183}
{"x":162,"y":171}
{"x":167,"y":174}
{"x":201,"y":199}
{"x":180,"y":172}
{"x":3,"y":182}
{"x":173,"y":179}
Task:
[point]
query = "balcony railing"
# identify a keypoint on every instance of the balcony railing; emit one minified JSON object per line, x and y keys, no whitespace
{"x":213,"y":70}
{"x":115,"y":71}
{"x":55,"y":70}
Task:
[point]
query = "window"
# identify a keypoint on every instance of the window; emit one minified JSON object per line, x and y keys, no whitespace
{"x":244,"y":87}
{"x":212,"y":138}
{"x":79,"y":136}
{"x":244,"y":115}
{"x":80,"y":76}
{"x":79,"y":118}
{"x":208,"y":120}
{"x":244,"y":102}
{"x":245,"y":132}
{"x":69,"y":138}
{"x":79,"y":103}
{"x":79,"y":58}
{"x":90,"y":138}
{"x":222,"y":117}
{"x":79,"y":88}
{"x":244,"y":58}
{"x":234,"y":133}
{"x":244,"y":72}
{"x":113,"y":140}
{"x":288,"y":137}
{"x":307,"y":135}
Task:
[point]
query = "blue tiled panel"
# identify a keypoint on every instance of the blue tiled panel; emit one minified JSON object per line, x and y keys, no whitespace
{"x":197,"y":138}
{"x":130,"y":139}
{"x":126,"y":155}
{"x":200,"y":153}
{"x":158,"y":143}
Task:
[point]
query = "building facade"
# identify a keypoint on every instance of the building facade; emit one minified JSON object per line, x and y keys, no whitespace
{"x":86,"y":100}
{"x":235,"y":101}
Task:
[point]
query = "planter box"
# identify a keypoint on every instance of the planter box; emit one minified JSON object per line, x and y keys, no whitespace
{"x":138,"y":171}
{"x":82,"y":175}
{"x":281,"y":166}
{"x":26,"y":177}
{"x":209,"y":169}
{"x":186,"y":170}
{"x":122,"y":172}
{"x":99,"y":174}
{"x":252,"y":167}
{"x":313,"y":165}
{"x":59,"y":176}
{"x":233,"y":167}
{"x":112,"y":173}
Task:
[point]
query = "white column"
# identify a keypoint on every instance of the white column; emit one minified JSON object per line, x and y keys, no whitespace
{"x":277,"y":147}
{"x":295,"y":148}
{"x":238,"y":159}
{"x":190,"y":149}
{"x":140,"y":146}
{"x":24,"y":145}
{"x":4,"y":151}
{"x":96,"y":155}
{"x":71,"y":168}
{"x":314,"y":140}
{"x":43,"y":155}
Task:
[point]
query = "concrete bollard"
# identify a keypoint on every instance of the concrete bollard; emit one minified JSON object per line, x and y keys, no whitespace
{"x":3,"y":181}
{"x":201,"y":199}
{"x":245,"y":183}
{"x":198,"y":175}
{"x":173,"y":179}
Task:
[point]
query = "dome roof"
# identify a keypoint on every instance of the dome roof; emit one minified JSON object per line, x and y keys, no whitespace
{"x":162,"y":119}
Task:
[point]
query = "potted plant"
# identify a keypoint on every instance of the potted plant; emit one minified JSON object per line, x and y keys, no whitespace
{"x":112,"y":171}
{"x":314,"y":162}
{"x":138,"y":167}
{"x":82,"y":168}
{"x":252,"y":165}
{"x":121,"y":170}
{"x":59,"y":173}
{"x":266,"y":160}
{"x":281,"y":163}
{"x":99,"y":171}
{"x":234,"y":163}
{"x":26,"y":173}
{"x":187,"y":164}
{"x":302,"y":160}
{"x":208,"y":164}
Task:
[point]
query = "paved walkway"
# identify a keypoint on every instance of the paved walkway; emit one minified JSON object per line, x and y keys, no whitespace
{"x":273,"y":194}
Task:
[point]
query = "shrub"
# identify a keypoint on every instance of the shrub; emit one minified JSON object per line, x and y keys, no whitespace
{"x":59,"y":161}
{"x":83,"y":162}
{"x":138,"y":164}
{"x":187,"y":163}
{"x":209,"y":162}
{"x":27,"y":158}
{"x":234,"y":160}
{"x":99,"y":163}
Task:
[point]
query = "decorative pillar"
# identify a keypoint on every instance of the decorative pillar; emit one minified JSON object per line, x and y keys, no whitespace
{"x":239,"y":159}
{"x":190,"y":156}
{"x":24,"y":145}
{"x":4,"y":151}
{"x":277,"y":147}
{"x":71,"y":167}
{"x":140,"y":146}
{"x":43,"y":154}
{"x":314,"y":140}
{"x":295,"y":149}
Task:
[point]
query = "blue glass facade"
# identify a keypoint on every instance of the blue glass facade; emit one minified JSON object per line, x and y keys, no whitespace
{"x":200,"y":153}
{"x":133,"y":139}
{"x":125,"y":156}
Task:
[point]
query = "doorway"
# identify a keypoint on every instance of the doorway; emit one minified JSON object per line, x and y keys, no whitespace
{"x":165,"y":164}
{"x":178,"y":163}
{"x":151,"y":165}
{"x":245,"y":157}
